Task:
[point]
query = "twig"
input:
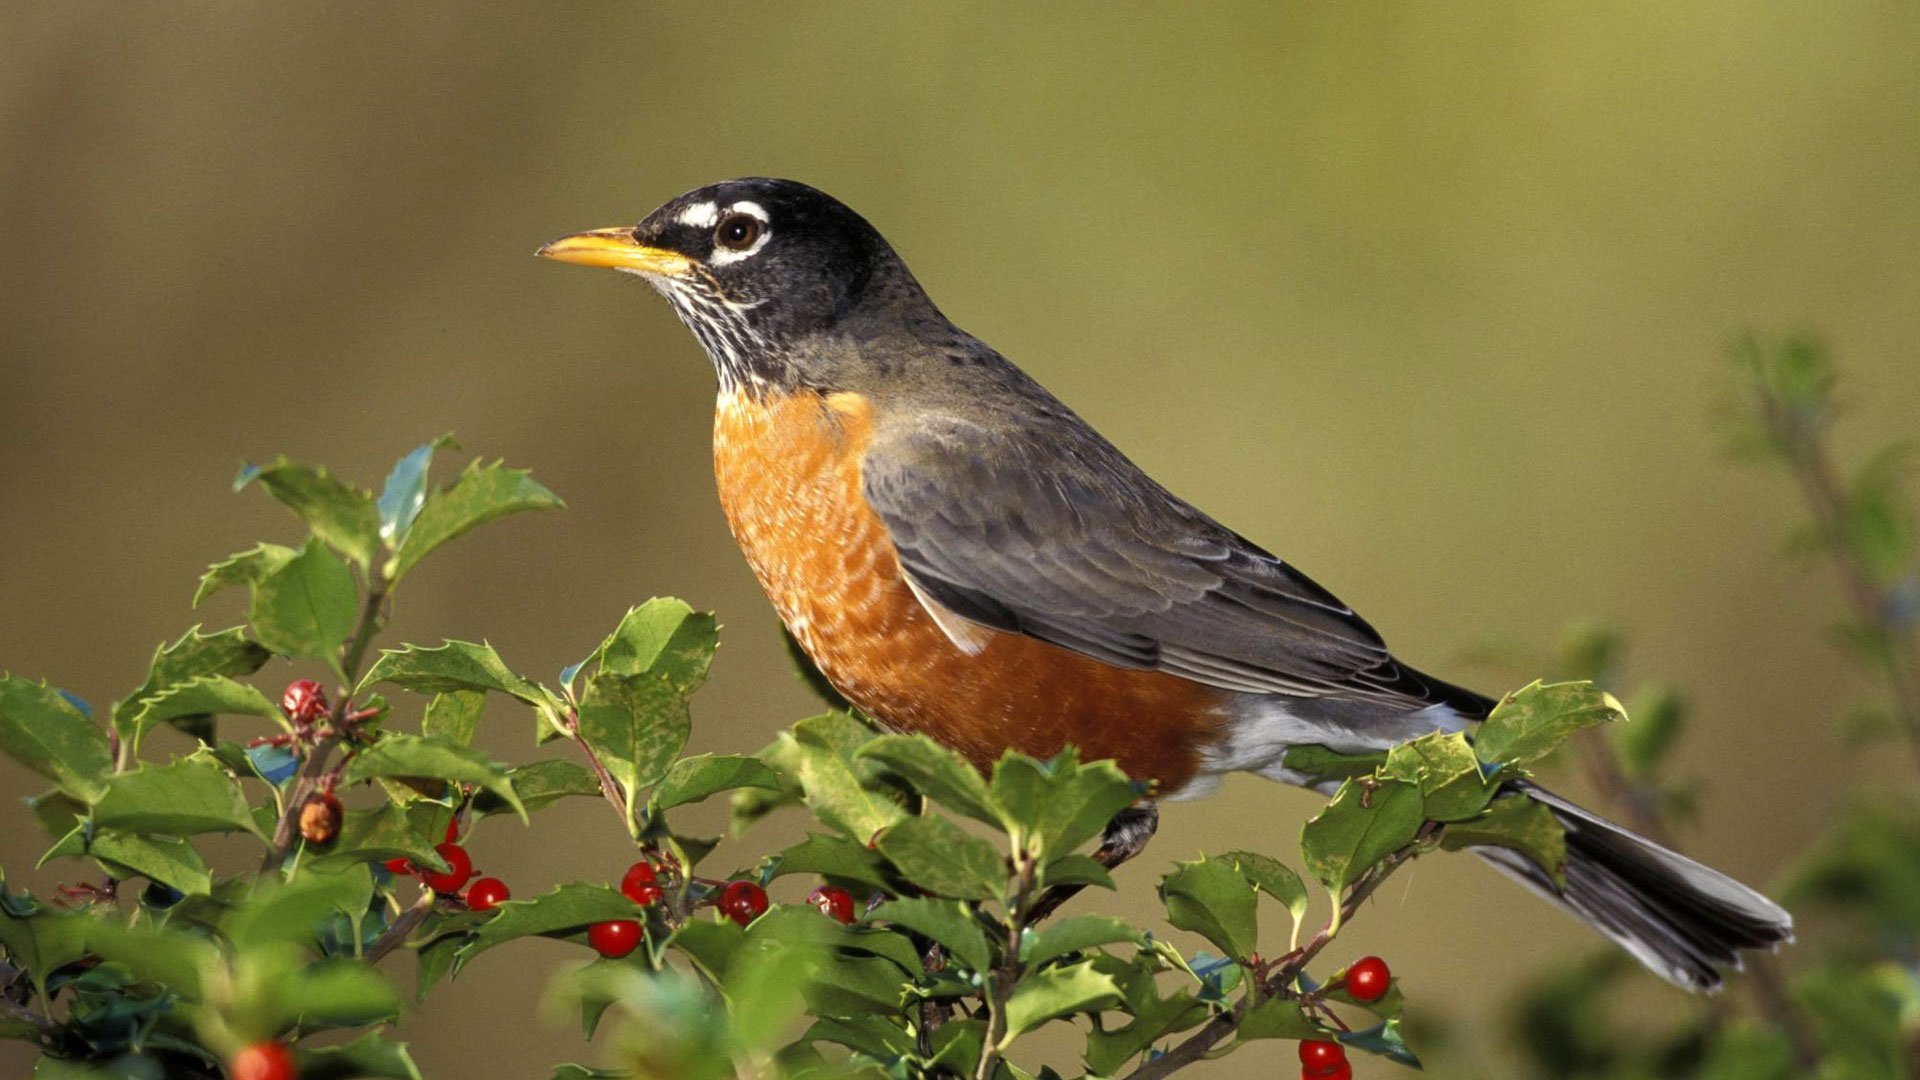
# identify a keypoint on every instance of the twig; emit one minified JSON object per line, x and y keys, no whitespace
{"x":1000,"y":981}
{"x":1617,"y":790}
{"x":396,"y":934}
{"x":308,"y":779}
{"x":1196,"y":1046}
{"x":48,"y":1029}
{"x":609,"y":787}
{"x":1812,"y":466}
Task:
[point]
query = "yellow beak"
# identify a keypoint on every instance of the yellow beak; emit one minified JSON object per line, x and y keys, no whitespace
{"x":617,"y":249}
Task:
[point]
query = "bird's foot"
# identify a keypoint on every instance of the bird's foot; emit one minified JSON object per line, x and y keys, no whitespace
{"x":1126,"y":836}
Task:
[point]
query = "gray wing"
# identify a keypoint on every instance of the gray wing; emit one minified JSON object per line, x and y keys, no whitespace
{"x":1063,"y":539}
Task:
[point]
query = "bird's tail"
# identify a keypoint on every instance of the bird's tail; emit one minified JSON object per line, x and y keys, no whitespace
{"x":1686,"y":922}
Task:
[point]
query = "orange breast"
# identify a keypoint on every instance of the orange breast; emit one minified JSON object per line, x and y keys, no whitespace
{"x":789,"y":477}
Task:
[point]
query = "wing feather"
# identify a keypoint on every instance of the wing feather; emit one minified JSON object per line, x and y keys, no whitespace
{"x":1064,"y":540}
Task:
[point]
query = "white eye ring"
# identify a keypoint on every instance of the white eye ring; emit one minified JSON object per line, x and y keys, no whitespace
{"x":740,"y":233}
{"x":737,"y":232}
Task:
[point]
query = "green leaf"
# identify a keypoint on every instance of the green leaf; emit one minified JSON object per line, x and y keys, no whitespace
{"x":936,"y":772}
{"x":566,"y":909}
{"x":206,"y":695}
{"x":1517,"y":822}
{"x":946,"y":921}
{"x":1383,"y":1039}
{"x":371,"y":1055}
{"x":405,"y":493}
{"x":842,"y":733}
{"x":158,"y":955}
{"x":343,"y":993}
{"x":833,"y":856}
{"x":168,"y":860}
{"x":638,"y":724}
{"x":540,"y":784}
{"x":391,"y":831}
{"x":481,"y":494}
{"x":1274,"y":878}
{"x":249,"y":567}
{"x":1058,"y":992}
{"x":454,"y":715}
{"x":1321,"y":763}
{"x":1074,"y":935}
{"x":341,"y":515}
{"x":41,"y":730}
{"x":695,"y":778}
{"x":1154,"y":1018}
{"x":956,"y":1047}
{"x":57,"y":812}
{"x":292,"y":913}
{"x":307,"y":607}
{"x":436,"y":961}
{"x":1278,"y":1018}
{"x":191,"y":795}
{"x":852,"y":985}
{"x":710,"y":945}
{"x":1366,"y":821}
{"x":454,"y":666}
{"x":1443,"y":766}
{"x":837,"y":798}
{"x":433,"y":759}
{"x":663,"y":637}
{"x":40,"y":939}
{"x":1212,"y":898}
{"x":875,"y":1036}
{"x":1077,"y":869}
{"x":1060,"y":803}
{"x":193,"y":656}
{"x":1530,"y":722}
{"x":937,"y":856}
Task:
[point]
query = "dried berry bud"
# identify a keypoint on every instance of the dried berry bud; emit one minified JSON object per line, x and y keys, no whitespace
{"x":320,"y":819}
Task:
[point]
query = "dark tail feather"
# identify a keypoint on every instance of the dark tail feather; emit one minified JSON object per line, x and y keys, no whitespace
{"x":1686,"y":922}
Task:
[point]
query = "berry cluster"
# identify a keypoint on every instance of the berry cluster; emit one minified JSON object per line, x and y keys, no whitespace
{"x":1367,"y":981}
{"x":740,"y":900}
{"x":482,"y":895}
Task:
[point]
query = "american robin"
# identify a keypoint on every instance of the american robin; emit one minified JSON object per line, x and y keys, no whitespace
{"x":963,"y":556}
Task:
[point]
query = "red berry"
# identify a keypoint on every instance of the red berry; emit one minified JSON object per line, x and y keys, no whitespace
{"x":262,"y":1061}
{"x":320,"y":818}
{"x":487,"y":892}
{"x":743,"y":901}
{"x":641,"y":884}
{"x":1367,"y":979}
{"x":459,"y":869}
{"x":304,"y":702}
{"x":614,"y":938}
{"x":401,"y":866}
{"x":1319,"y":1056}
{"x":453,"y":829}
{"x":834,"y":902}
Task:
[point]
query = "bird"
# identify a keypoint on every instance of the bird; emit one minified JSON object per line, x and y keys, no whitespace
{"x":963,"y":556}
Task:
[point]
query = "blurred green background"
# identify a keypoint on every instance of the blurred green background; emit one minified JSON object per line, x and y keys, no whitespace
{"x":1431,"y":299}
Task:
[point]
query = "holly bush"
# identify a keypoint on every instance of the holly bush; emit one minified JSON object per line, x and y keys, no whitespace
{"x":930,"y":946}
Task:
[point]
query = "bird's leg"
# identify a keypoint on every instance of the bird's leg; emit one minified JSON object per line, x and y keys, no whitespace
{"x":1126,"y":836}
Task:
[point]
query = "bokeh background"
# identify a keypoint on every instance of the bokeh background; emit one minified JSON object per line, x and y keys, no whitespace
{"x":1432,"y":299}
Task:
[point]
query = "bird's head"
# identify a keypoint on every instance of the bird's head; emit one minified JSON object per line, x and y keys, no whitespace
{"x":757,"y":268}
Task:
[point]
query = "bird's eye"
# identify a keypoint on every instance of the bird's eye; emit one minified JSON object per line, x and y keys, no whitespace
{"x":737,"y":232}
